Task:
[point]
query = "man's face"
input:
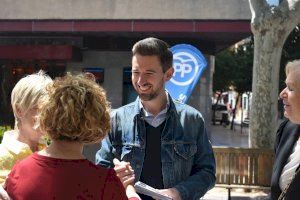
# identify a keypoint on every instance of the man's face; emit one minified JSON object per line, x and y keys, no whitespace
{"x":291,"y":96}
{"x":148,"y":78}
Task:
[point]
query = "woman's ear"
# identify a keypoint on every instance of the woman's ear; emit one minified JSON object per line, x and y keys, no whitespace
{"x":169,"y":74}
{"x":18,"y":111}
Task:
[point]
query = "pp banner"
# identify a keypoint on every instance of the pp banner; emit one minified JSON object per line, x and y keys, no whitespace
{"x":188,"y":64}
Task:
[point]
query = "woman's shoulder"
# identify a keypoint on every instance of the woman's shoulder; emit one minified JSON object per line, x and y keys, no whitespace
{"x":108,"y":173}
{"x":286,"y":130}
{"x":9,"y":157}
{"x":99,"y":168}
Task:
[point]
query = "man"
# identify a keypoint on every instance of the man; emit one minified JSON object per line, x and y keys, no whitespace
{"x":164,"y":141}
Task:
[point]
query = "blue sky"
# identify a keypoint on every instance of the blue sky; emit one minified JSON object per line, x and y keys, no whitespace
{"x":273,"y":2}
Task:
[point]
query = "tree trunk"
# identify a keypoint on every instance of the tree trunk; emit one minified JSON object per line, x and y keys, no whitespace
{"x":270,"y":26}
{"x":263,"y":113}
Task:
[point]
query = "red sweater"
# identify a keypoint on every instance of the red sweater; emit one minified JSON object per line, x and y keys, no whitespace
{"x":40,"y":177}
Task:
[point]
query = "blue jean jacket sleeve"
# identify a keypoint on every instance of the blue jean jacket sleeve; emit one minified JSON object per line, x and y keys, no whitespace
{"x":203,"y":172}
{"x":105,"y":156}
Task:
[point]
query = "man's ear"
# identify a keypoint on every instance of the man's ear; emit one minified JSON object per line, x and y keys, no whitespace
{"x":169,"y":74}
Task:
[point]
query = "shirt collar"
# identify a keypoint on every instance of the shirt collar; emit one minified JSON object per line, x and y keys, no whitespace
{"x":146,"y":113}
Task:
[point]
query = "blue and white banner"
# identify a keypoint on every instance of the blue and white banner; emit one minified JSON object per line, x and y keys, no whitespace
{"x":188,"y":64}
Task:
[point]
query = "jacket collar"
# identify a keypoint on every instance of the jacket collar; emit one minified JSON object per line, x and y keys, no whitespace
{"x":138,"y":110}
{"x":290,"y":136}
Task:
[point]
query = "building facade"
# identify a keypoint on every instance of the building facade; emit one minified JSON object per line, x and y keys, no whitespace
{"x":97,"y":36}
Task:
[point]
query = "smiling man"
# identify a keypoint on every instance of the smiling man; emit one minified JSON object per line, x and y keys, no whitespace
{"x":164,"y":141}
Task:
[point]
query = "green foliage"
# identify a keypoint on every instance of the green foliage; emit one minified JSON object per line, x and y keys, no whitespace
{"x":290,"y":51}
{"x":223,"y":71}
{"x":242,"y":76}
{"x":234,"y":68}
{"x":2,"y":130}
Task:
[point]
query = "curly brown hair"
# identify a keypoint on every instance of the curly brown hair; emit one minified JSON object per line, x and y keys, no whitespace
{"x":77,"y":110}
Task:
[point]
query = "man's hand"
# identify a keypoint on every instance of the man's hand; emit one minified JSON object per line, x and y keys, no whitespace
{"x":124,"y":172}
{"x":3,"y":194}
{"x":171,"y":192}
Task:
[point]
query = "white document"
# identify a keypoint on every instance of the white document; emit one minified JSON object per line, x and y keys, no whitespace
{"x":149,"y":191}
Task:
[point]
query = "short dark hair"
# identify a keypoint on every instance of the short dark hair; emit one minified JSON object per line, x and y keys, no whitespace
{"x":154,"y":47}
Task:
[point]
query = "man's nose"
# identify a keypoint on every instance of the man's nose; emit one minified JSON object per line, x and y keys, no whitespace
{"x":142,"y":80}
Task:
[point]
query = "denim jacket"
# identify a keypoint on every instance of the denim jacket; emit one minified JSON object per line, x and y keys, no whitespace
{"x":187,"y":158}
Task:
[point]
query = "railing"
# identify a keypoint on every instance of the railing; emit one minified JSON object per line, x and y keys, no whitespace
{"x":243,"y":168}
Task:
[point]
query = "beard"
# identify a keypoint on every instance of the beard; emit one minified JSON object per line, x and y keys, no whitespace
{"x":147,"y":96}
{"x":155,"y":91}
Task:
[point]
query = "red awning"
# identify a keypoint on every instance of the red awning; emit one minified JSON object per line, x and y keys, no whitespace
{"x":40,"y":52}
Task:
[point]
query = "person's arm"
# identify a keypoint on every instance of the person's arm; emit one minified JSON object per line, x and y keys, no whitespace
{"x":105,"y":156}
{"x":204,"y":168}
{"x":125,"y":172}
{"x":131,"y":193}
{"x":3,"y":194}
{"x":114,"y":189}
{"x":107,"y":152}
{"x":279,"y":134}
{"x":126,"y":175}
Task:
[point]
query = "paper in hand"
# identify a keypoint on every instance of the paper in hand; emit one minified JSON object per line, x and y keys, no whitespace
{"x":145,"y":189}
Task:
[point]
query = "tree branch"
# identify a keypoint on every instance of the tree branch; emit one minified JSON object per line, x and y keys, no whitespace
{"x":257,"y":7}
{"x":294,"y":10}
{"x":290,"y":9}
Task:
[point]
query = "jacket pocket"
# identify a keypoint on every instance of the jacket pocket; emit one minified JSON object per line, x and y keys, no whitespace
{"x":126,"y":153}
{"x":185,"y":150}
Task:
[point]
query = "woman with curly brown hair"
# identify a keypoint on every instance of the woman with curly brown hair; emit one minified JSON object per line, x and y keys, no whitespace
{"x":76,"y":113}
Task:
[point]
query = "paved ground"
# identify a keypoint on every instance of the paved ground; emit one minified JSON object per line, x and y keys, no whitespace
{"x":237,"y":194}
{"x":223,"y":136}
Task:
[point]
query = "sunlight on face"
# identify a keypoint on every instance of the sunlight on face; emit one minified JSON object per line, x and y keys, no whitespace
{"x":30,"y":124}
{"x":148,"y":78}
{"x":291,"y":96}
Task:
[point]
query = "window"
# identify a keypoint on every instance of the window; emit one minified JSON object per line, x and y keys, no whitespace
{"x":97,"y":72}
{"x":129,"y":93}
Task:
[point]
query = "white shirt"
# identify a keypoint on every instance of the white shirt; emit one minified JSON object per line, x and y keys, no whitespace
{"x":157,"y":120}
{"x":290,"y":167}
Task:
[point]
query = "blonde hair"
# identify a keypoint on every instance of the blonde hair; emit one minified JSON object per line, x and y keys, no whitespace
{"x":77,"y":110}
{"x":291,"y":66}
{"x":28,"y":92}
